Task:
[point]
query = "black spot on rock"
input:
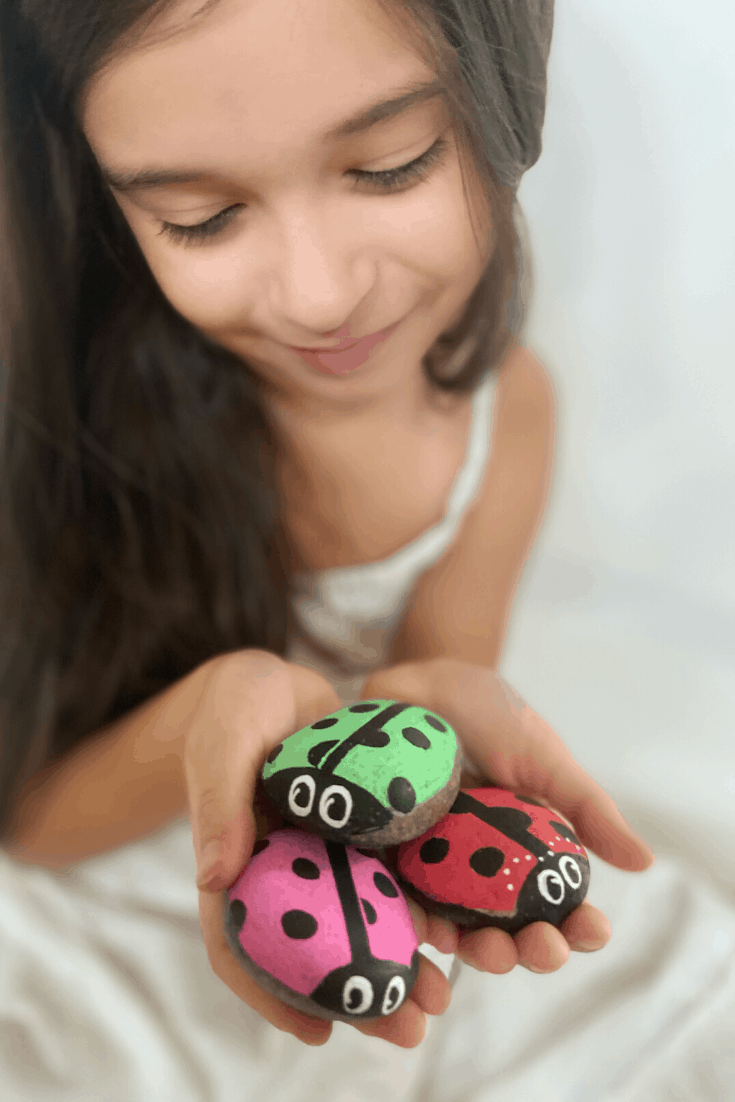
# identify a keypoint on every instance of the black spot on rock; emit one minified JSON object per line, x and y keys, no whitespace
{"x":434,"y":722}
{"x":238,"y":914}
{"x":564,"y":831}
{"x":317,"y":752}
{"x":487,"y":861}
{"x":416,"y":738}
{"x":528,"y":800}
{"x":259,"y":847}
{"x":375,"y":737}
{"x":434,"y":850}
{"x":305,"y":868}
{"x":299,"y":924}
{"x":274,"y":753}
{"x":321,"y":724}
{"x":370,"y":914}
{"x":384,"y":885}
{"x":401,"y":795}
{"x":364,"y":707}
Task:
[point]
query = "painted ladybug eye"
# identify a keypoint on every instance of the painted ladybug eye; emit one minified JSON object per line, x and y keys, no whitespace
{"x":551,"y":886}
{"x":357,"y":995}
{"x":571,"y":872}
{"x":394,"y":995}
{"x":335,"y":806}
{"x":301,"y":795}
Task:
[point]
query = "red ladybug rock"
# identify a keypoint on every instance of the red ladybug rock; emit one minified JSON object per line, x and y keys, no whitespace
{"x":497,"y":860}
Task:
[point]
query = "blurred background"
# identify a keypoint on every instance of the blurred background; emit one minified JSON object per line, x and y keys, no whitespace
{"x":624,"y":631}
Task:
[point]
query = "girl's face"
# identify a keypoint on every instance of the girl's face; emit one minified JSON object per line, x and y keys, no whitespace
{"x":243,"y":131}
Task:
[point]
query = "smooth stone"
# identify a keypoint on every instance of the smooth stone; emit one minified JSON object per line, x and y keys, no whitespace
{"x":323,"y":927}
{"x":497,"y":860}
{"x":373,"y":774}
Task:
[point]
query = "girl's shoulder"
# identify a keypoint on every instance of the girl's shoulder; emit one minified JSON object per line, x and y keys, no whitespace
{"x":526,"y":395}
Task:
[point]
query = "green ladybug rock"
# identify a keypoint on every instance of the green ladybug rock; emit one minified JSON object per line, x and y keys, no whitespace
{"x":373,"y":774}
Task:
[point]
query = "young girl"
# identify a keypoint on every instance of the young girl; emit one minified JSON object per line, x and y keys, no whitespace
{"x":261,"y":323}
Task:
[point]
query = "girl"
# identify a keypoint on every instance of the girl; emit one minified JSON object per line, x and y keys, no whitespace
{"x":261,"y":313}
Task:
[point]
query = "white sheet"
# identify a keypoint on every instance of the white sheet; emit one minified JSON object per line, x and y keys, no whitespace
{"x":623,"y":637}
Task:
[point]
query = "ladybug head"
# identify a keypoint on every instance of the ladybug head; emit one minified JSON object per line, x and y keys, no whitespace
{"x":346,"y":992}
{"x":333,"y":807}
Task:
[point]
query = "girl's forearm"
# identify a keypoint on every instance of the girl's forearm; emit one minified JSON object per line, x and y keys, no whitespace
{"x":127,"y":780}
{"x":121,"y":784}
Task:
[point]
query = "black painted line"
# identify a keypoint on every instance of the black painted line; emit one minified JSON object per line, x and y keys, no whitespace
{"x":354,"y":920}
{"x":511,"y":826}
{"x":376,"y":722}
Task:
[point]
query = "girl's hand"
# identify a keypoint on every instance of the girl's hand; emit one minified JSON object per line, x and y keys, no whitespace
{"x":249,"y":701}
{"x":508,"y":744}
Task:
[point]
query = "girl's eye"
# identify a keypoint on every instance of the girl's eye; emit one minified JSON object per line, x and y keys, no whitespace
{"x":390,"y":179}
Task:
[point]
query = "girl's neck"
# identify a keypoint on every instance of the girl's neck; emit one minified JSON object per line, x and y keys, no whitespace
{"x":300,"y":416}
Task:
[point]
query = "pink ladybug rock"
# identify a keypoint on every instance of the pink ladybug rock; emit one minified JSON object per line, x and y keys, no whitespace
{"x":323,"y":927}
{"x":497,"y":860}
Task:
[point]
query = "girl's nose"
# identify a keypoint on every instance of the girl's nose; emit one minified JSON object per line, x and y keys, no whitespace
{"x":319,"y":278}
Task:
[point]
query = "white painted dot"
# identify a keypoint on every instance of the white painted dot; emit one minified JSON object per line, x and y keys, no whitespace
{"x":516,"y":860}
{"x":528,"y":856}
{"x":550,"y":852}
{"x":509,"y":887}
{"x":507,"y":872}
{"x":558,"y":838}
{"x":540,"y":858}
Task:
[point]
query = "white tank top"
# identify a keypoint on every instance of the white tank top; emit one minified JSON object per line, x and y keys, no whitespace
{"x":353,"y":612}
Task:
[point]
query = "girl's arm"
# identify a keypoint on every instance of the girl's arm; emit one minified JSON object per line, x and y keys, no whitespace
{"x":120,"y":784}
{"x":127,"y":780}
{"x":446,"y":651}
{"x":460,"y":608}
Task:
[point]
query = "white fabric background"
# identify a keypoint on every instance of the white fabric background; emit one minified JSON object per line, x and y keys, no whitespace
{"x":623,"y":637}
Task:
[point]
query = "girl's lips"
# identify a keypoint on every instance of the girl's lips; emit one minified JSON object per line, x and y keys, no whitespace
{"x":342,"y":361}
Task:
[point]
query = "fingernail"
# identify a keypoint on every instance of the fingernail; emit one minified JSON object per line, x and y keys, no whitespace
{"x":585,"y":946}
{"x":208,"y":861}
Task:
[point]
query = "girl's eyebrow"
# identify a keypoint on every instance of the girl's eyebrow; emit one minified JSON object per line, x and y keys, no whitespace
{"x":400,"y":100}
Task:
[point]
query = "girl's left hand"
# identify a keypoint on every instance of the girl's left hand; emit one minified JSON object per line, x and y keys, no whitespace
{"x":508,"y":744}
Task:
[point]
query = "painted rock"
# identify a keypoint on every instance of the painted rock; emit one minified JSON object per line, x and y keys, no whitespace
{"x":373,"y":774}
{"x":323,"y":927}
{"x":497,"y":860}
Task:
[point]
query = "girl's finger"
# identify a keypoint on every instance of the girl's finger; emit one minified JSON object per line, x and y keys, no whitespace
{"x":596,"y":820}
{"x":312,"y":1031}
{"x":432,"y":991}
{"x":246,"y":707}
{"x":406,"y":1028}
{"x":541,"y":947}
{"x":488,"y":950}
{"x":586,"y":929}
{"x":514,"y":747}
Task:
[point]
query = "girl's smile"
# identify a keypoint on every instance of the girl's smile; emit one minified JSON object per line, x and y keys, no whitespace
{"x":342,"y":360}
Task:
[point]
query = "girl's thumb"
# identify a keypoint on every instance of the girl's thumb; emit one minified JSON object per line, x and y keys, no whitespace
{"x":246,"y":707}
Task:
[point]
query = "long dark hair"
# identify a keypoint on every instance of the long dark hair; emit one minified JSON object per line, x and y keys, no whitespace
{"x":139,"y":526}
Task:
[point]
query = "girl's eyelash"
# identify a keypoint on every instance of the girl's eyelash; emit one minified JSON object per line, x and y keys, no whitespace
{"x":390,"y":179}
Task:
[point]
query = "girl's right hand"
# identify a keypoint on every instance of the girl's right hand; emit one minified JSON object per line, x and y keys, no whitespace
{"x":251,"y":700}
